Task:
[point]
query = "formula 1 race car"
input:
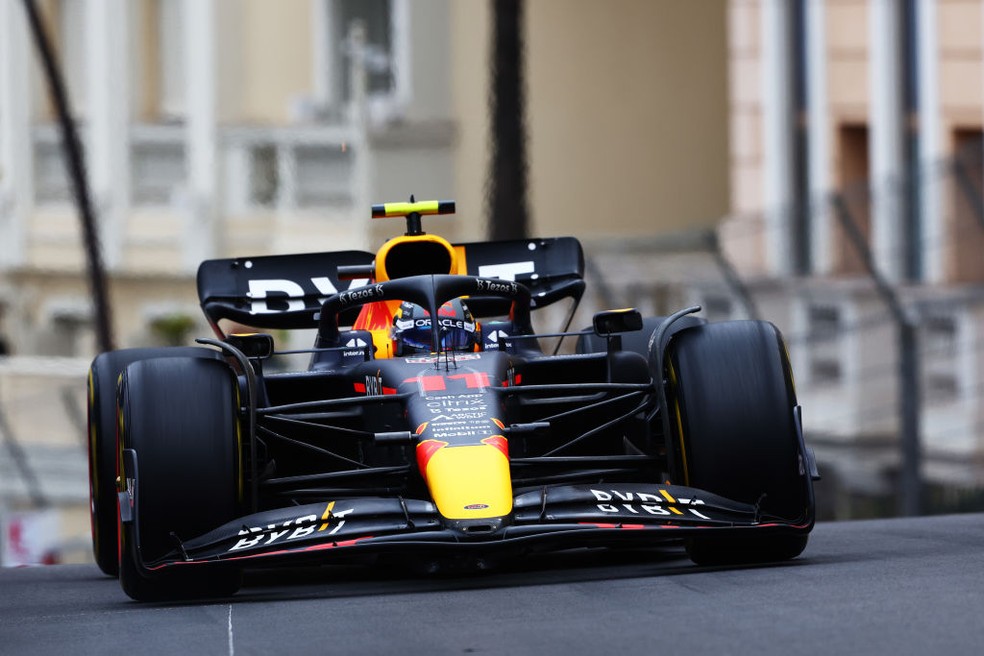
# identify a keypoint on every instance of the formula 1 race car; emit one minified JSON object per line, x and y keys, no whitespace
{"x":430,"y":424}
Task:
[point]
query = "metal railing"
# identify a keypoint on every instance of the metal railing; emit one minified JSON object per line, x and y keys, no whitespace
{"x":42,"y":430}
{"x":889,"y":369}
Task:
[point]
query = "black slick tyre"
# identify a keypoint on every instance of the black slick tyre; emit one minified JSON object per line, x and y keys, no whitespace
{"x":102,"y":421}
{"x":180,"y":416}
{"x":732,"y":403}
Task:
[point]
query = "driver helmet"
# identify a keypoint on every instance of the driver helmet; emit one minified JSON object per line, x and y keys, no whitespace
{"x":412,"y":328}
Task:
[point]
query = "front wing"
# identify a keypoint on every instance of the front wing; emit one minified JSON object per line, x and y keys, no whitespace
{"x":543,"y":519}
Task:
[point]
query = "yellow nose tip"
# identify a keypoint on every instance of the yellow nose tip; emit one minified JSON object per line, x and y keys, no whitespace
{"x":470,"y":482}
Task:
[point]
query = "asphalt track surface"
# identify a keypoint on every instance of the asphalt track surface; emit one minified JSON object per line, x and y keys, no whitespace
{"x":873,"y":587}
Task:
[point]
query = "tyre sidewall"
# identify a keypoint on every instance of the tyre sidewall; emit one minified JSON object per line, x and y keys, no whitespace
{"x":733,"y":389}
{"x":180,"y":416}
{"x":102,"y":422}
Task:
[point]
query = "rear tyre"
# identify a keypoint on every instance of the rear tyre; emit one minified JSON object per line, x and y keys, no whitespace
{"x":103,"y":376}
{"x":180,"y":415}
{"x":732,"y":386}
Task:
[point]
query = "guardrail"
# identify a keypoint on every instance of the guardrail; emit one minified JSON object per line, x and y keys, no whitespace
{"x":42,"y":430}
{"x":43,"y":461}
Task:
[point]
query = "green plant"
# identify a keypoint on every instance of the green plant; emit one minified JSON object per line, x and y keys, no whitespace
{"x":172,"y":329}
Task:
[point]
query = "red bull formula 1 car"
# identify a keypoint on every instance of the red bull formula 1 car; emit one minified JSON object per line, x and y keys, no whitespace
{"x":431,"y":425}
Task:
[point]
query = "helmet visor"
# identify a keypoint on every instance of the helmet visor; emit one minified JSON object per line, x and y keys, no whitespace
{"x":418,"y":339}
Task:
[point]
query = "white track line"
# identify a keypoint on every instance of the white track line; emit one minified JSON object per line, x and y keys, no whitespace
{"x":232,"y":647}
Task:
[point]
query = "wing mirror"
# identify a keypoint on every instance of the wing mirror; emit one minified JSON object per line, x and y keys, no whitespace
{"x":612,"y":322}
{"x":252,"y":345}
{"x":609,"y":324}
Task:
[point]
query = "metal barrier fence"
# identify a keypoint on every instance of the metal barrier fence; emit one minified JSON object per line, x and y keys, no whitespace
{"x":885,"y":327}
{"x":43,"y":462}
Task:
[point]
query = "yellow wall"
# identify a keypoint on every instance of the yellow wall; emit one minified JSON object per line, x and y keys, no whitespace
{"x":470,"y":24}
{"x":267,"y":50}
{"x":959,"y":37}
{"x":626,"y":114}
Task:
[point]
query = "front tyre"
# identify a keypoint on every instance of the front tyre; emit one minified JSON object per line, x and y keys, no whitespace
{"x":181,"y":417}
{"x":732,"y":393}
{"x":102,"y":420}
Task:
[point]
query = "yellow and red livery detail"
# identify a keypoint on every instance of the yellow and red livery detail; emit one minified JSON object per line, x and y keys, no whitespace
{"x":326,"y":515}
{"x":467,"y":482}
{"x":462,"y":259}
{"x":498,"y":441}
{"x":426,"y":451}
{"x":377,"y":318}
{"x":433,"y":383}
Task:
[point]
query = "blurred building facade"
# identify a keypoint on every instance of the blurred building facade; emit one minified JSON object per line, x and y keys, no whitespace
{"x":864,"y":118}
{"x":245,"y":127}
{"x":210,"y":128}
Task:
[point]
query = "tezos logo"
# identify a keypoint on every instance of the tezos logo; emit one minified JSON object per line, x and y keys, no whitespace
{"x":492,"y":286}
{"x":361,"y":294}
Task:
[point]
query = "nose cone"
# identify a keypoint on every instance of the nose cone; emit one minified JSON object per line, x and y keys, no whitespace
{"x":467,"y":482}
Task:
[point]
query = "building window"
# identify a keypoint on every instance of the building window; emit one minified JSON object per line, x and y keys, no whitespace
{"x":386,"y":56}
{"x":159,"y":166}
{"x":824,"y":366}
{"x":966,"y":243}
{"x":158,"y":169}
{"x":324,"y":175}
{"x":294,"y":175}
{"x":51,"y":183}
{"x":264,"y":178}
{"x":375,"y":15}
{"x":852,"y":144}
{"x":940,"y":339}
{"x":67,"y":329}
{"x":718,"y":307}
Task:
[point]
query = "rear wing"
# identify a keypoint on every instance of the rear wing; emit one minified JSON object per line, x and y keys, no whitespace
{"x":286,"y":291}
{"x":553,"y":269}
